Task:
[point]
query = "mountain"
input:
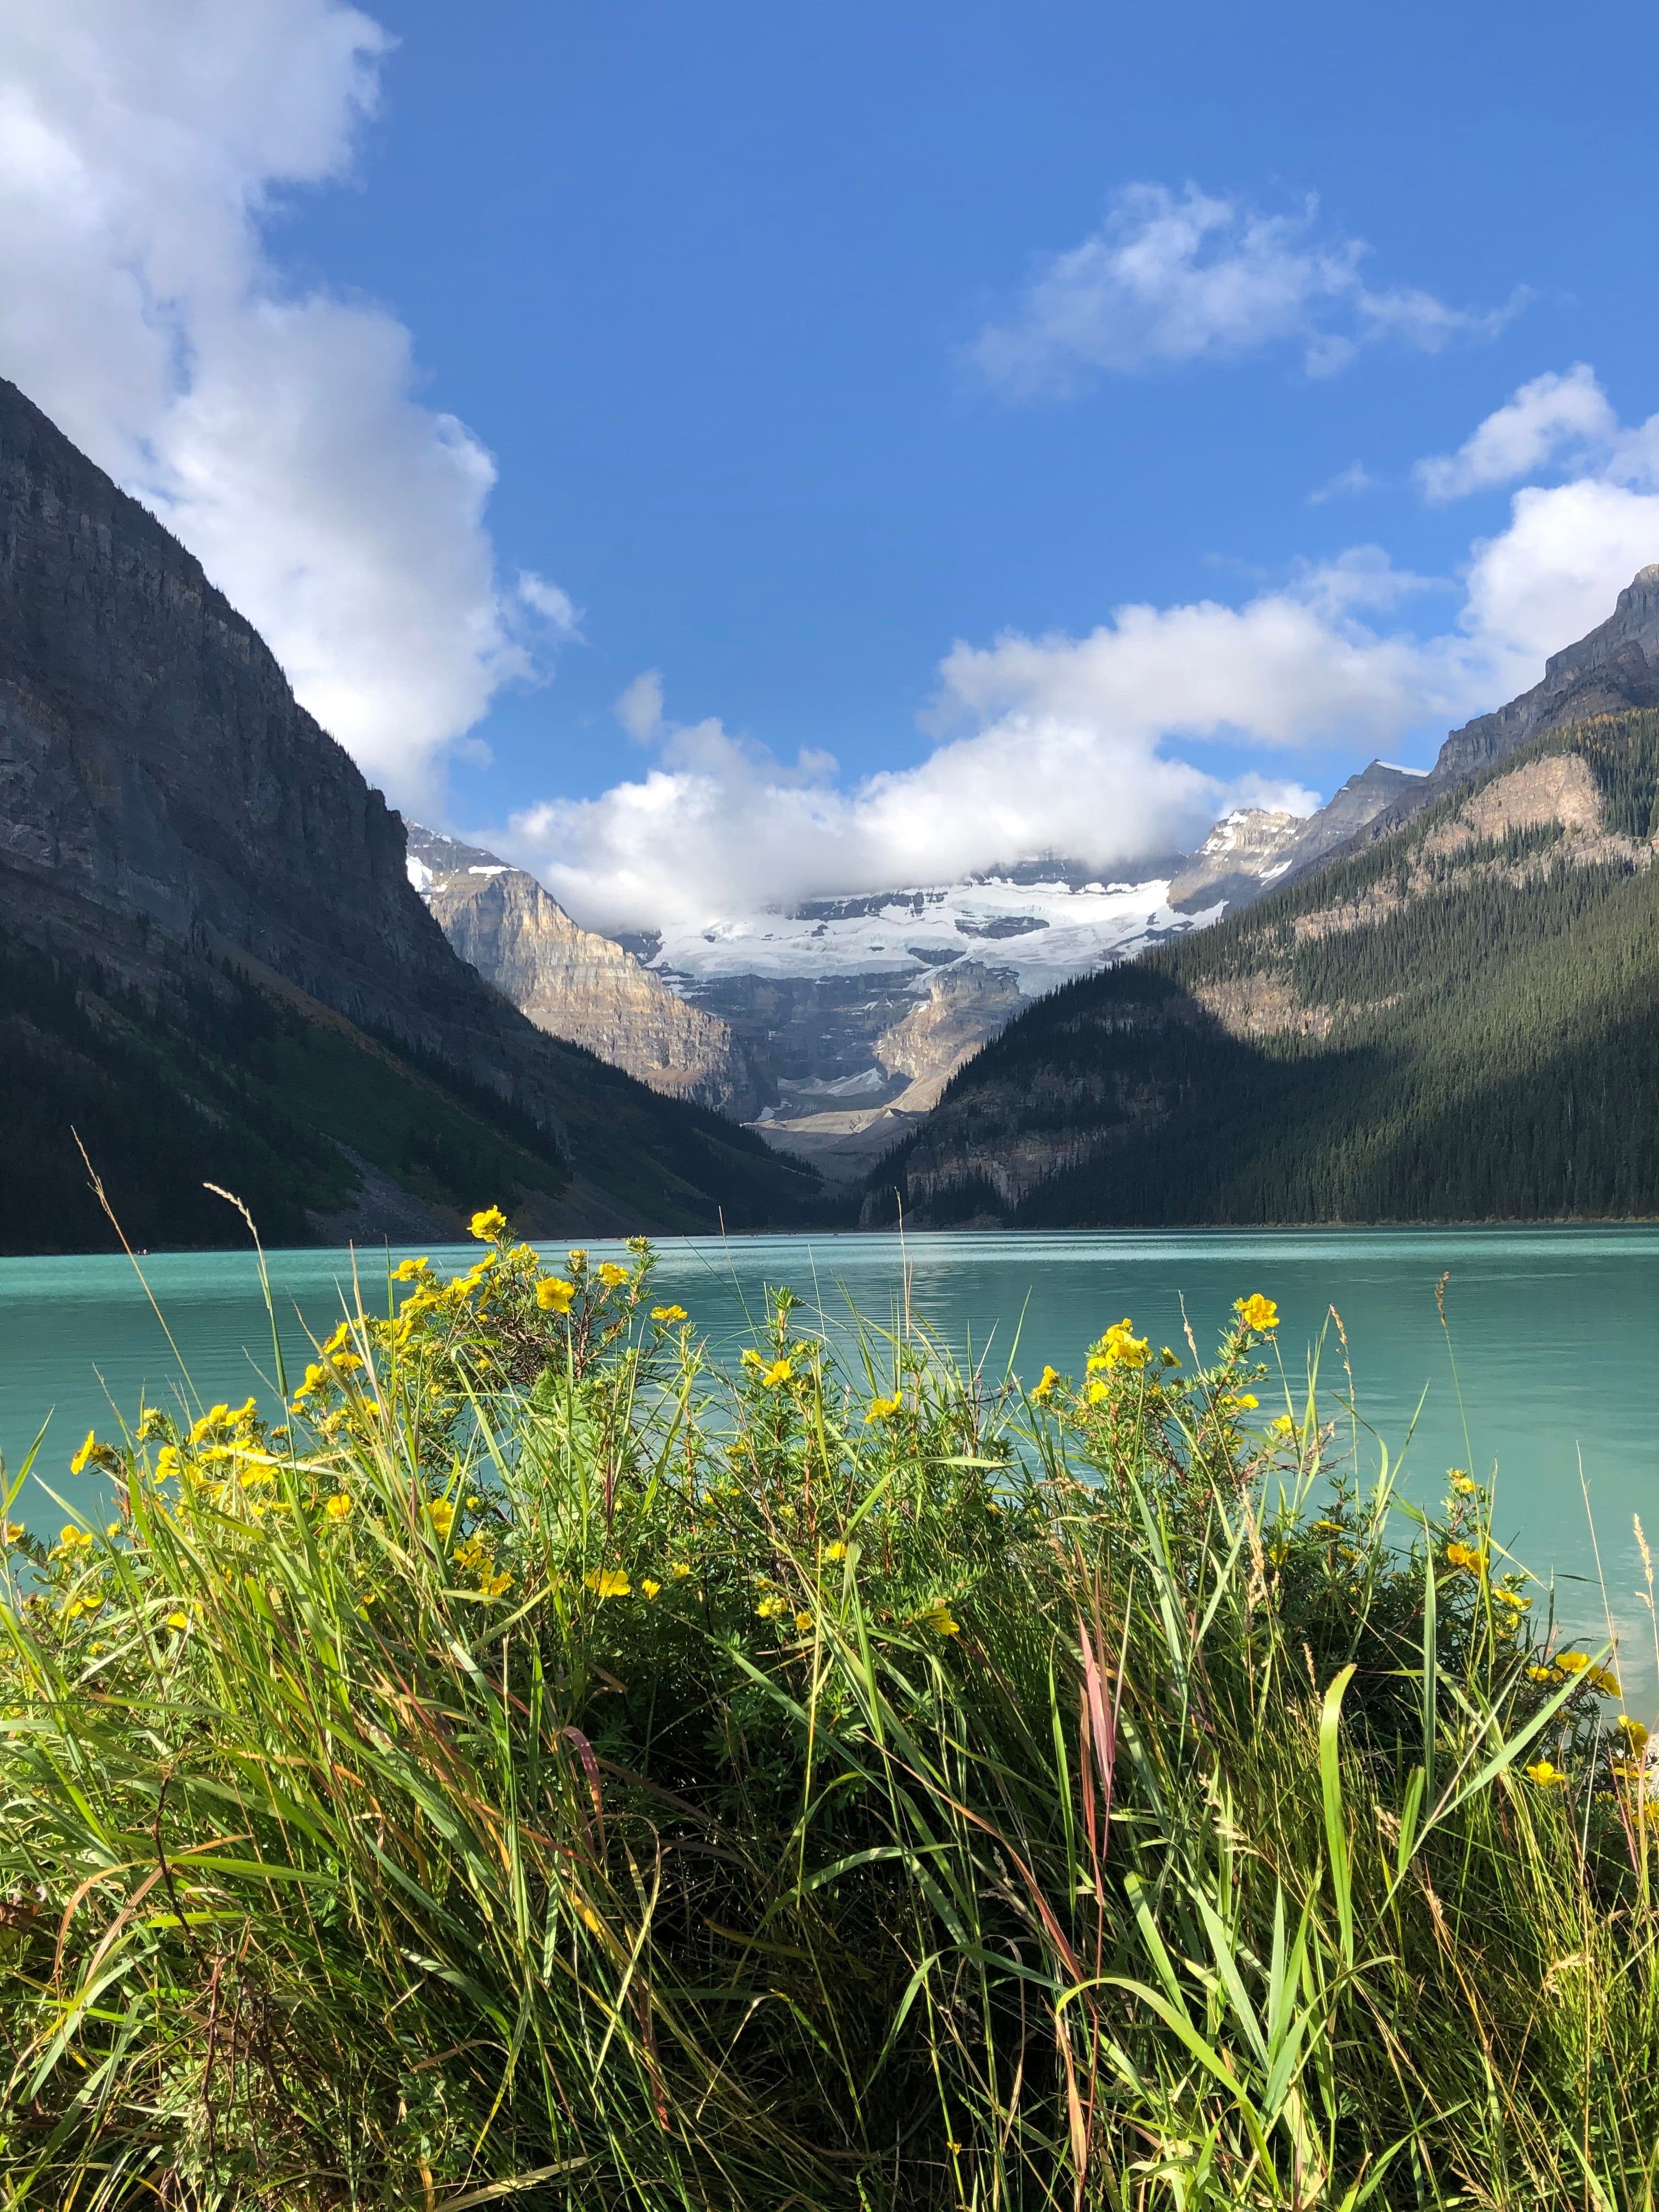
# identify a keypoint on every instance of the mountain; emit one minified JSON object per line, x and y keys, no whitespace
{"x":1616,"y":666}
{"x":1456,"y":1016}
{"x":212,"y":963}
{"x":574,"y":983}
{"x":852,"y":1013}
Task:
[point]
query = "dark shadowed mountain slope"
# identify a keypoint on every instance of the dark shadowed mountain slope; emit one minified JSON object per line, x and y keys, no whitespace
{"x":214,"y":960}
{"x":1460,"y":1020}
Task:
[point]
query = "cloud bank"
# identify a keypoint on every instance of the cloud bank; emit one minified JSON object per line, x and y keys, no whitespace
{"x":278,"y":432}
{"x":1169,"y":278}
{"x":1067,"y":745}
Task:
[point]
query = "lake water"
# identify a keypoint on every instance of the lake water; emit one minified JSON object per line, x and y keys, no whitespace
{"x":1554,"y":1332}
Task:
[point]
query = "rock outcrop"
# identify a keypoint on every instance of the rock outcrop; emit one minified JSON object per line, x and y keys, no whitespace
{"x":574,"y":983}
{"x":156,"y":769}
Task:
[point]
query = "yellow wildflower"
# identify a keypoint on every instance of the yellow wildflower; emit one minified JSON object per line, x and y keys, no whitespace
{"x":608,"y":1582}
{"x":409,"y":1271}
{"x":1464,"y":1484}
{"x":1627,"y":1769}
{"x":939,"y":1619}
{"x":835,"y":1551}
{"x":177,"y":1620}
{"x":1257,"y":1314}
{"x":216,"y":1417}
{"x":74,"y":1540}
{"x":1097,"y":1391}
{"x":1573,"y":1663}
{"x":679,"y":1570}
{"x":883,"y":1409}
{"x":802,"y":1622}
{"x":769,"y":1608}
{"x":342,"y":1332}
{"x":669,"y":1313}
{"x":167,"y":1462}
{"x":611,"y":1275}
{"x":1546,"y":1775}
{"x":493,"y":1585}
{"x":489,"y":1224}
{"x":1120,"y":1347}
{"x":751,"y":1357}
{"x":554,"y":1294}
{"x":78,"y":1464}
{"x":1283,"y":1426}
{"x":1242,"y":1401}
{"x":1514,"y":1599}
{"x":1466,"y":1555}
{"x":338,"y":1506}
{"x":780,"y":1370}
{"x":442,"y":1511}
{"x":1543,"y":1674}
{"x":1636,"y":1733}
{"x":1602,"y":1679}
{"x":651,"y":1589}
{"x":1045,"y":1387}
{"x":11,"y":1532}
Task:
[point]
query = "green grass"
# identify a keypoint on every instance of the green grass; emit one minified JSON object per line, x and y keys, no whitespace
{"x":553,"y":1771}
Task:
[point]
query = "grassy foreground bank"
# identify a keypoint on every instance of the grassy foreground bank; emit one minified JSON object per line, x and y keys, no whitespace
{"x":549,"y":1770}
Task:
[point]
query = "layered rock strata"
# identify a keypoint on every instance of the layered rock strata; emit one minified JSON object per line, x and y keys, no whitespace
{"x":573,"y":983}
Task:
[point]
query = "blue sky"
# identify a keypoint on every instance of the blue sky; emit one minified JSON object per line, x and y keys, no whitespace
{"x":713,"y":286}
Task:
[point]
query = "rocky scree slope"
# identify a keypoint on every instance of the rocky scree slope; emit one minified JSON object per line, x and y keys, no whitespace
{"x":573,"y":983}
{"x":1460,"y":1020}
{"x":211,"y":960}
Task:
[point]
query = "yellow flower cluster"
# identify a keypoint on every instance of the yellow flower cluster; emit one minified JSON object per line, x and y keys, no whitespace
{"x":770,"y":1373}
{"x":1118,"y":1348}
{"x":1258,"y":1315}
{"x":883,"y":1409}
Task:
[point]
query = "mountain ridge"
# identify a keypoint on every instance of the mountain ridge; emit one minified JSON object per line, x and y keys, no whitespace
{"x":1448,"y":1017}
{"x":210,"y":938}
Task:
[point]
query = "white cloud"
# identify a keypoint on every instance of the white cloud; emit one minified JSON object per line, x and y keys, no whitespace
{"x":1068,"y":745}
{"x":1169,"y":278}
{"x":279,"y":434}
{"x":1047,"y":745}
{"x":640,"y":707}
{"x":555,"y":605}
{"x":1549,"y":417}
{"x":1346,"y":483}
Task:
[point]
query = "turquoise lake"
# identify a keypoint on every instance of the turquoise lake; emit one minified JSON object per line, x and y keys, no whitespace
{"x":1555,"y":1333}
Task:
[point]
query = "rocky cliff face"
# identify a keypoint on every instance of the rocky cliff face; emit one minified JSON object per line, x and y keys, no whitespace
{"x":1615,"y":666}
{"x":1247,"y":849}
{"x":209,"y":938}
{"x":574,"y":983}
{"x":155,"y":769}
